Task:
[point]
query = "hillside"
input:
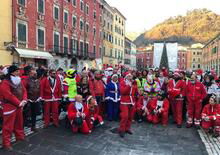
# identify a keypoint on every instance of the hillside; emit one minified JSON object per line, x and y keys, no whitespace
{"x":199,"y":25}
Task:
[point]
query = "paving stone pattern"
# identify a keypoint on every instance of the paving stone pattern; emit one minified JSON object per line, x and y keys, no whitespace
{"x":147,"y":139}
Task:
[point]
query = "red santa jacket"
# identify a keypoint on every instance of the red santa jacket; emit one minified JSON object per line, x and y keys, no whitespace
{"x":195,"y":91}
{"x":97,"y":88}
{"x":140,"y":103}
{"x":72,"y":111}
{"x":153,"y":105}
{"x":176,"y":88}
{"x":211,"y":111}
{"x":128,"y":93}
{"x":11,"y":96}
{"x":49,"y":93}
{"x":92,"y":112}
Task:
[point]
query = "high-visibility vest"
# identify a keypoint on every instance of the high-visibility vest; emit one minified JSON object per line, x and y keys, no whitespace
{"x":72,"y":87}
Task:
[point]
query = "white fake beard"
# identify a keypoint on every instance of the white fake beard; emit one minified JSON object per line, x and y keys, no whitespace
{"x":16,"y":80}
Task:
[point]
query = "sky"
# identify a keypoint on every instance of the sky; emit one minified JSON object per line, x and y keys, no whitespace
{"x":144,"y":14}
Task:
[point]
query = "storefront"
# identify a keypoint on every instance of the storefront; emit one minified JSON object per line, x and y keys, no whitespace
{"x":24,"y":57}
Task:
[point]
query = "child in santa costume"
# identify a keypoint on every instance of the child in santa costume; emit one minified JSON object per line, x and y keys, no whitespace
{"x":128,"y":91}
{"x":158,"y":109}
{"x":93,"y":118}
{"x":77,"y":113}
{"x":211,"y":117}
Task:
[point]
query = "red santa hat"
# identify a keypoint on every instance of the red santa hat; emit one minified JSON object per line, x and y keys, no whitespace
{"x":199,"y":72}
{"x":126,"y":74}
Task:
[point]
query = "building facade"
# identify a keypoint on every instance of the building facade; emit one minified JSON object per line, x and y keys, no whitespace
{"x":6,"y":33}
{"x":67,"y":30}
{"x":118,"y":36}
{"x":144,"y":58}
{"x":130,"y":54}
{"x":182,"y":58}
{"x":107,"y":34}
{"x":194,"y":57}
{"x":211,"y":55}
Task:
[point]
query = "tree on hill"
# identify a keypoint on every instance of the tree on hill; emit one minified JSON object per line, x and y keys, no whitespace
{"x":199,"y":25}
{"x":164,"y":59}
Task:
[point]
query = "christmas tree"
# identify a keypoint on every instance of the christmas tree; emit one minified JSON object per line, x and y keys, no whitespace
{"x":164,"y":58}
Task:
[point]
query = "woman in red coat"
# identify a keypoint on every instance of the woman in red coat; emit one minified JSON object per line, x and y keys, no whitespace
{"x":77,"y":113}
{"x":13,"y":96}
{"x":93,"y":117}
{"x":128,"y":91}
{"x":158,"y":109}
{"x":211,"y":117}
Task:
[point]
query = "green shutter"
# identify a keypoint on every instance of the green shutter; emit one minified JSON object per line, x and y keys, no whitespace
{"x":214,"y":50}
{"x":41,"y":6}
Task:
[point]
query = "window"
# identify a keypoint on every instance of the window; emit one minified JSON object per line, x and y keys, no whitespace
{"x":21,"y":2}
{"x":40,"y":6}
{"x":198,"y":65}
{"x":87,"y":9}
{"x":193,"y":59}
{"x":116,"y":17}
{"x":73,"y":45}
{"x":40,"y":36}
{"x":56,"y":12}
{"x":94,"y":49}
{"x":81,"y":5}
{"x":22,"y":32}
{"x":74,"y":21}
{"x":94,"y":31}
{"x":65,"y":44}
{"x":81,"y":25}
{"x":65,"y":17}
{"x":108,"y":26}
{"x":74,"y":2}
{"x":86,"y":48}
{"x":111,"y":28}
{"x":110,"y":52}
{"x":194,"y":53}
{"x":94,"y":14}
{"x":193,"y":66}
{"x":56,"y":41}
{"x":81,"y":47}
{"x":87,"y":27}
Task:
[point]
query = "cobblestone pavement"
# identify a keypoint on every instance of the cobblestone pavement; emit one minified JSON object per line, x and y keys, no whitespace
{"x":147,"y":139}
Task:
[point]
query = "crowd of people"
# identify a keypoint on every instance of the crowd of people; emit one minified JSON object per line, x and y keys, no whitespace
{"x":91,"y":96}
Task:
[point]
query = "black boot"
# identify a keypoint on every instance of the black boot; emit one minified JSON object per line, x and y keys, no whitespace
{"x":122,"y":134}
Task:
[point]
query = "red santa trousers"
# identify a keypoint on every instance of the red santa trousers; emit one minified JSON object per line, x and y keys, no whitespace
{"x":96,"y":118}
{"x":160,"y":117}
{"x":126,"y":117}
{"x":83,"y":129}
{"x":177,"y":108}
{"x":212,"y":124}
{"x":12,"y":123}
{"x":194,"y":111}
{"x":51,"y":108}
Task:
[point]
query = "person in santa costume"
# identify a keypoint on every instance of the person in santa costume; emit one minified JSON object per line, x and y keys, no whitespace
{"x":176,"y":91}
{"x":142,"y":105}
{"x":77,"y":113}
{"x":13,"y":96}
{"x":195,"y":93}
{"x":151,"y":87}
{"x":128,"y":92}
{"x":211,"y":117}
{"x":93,"y":118}
{"x":112,"y":96}
{"x":97,"y":89}
{"x":158,"y":109}
{"x":51,"y":94}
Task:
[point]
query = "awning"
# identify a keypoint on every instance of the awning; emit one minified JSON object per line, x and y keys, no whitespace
{"x":27,"y":53}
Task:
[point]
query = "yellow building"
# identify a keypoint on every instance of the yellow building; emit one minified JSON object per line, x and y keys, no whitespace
{"x":194,"y":57}
{"x":6,"y":32}
{"x":107,"y":30}
{"x":118,"y":36}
